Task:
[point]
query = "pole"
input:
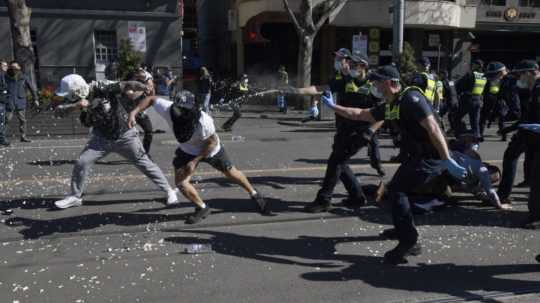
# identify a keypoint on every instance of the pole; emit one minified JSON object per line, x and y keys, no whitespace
{"x":180,"y":80}
{"x":397,"y":25}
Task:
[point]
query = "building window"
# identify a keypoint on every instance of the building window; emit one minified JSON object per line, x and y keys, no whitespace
{"x":494,"y":2}
{"x":529,"y":3}
{"x":105,"y":46}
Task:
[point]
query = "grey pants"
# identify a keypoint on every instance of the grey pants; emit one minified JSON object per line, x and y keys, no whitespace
{"x":21,"y":116}
{"x":129,"y":146}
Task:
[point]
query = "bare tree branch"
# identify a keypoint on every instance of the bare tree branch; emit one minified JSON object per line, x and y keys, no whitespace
{"x":331,"y":8}
{"x":299,"y":28}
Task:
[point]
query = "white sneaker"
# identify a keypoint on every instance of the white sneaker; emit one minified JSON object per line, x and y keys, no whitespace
{"x":172,"y":197}
{"x":67,"y":202}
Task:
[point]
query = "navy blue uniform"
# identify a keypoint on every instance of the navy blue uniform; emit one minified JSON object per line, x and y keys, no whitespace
{"x":423,"y":166}
{"x":3,"y":103}
{"x":468,"y":104}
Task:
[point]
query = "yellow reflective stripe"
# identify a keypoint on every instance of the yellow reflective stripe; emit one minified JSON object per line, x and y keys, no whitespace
{"x":338,"y":76}
{"x":429,"y":92}
{"x":479,"y":84}
{"x":494,"y":89}
{"x":351,"y":87}
{"x":391,"y":112}
{"x":243,"y":87}
{"x":440,"y":90}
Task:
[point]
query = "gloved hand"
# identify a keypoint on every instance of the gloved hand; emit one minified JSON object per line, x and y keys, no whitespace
{"x":530,"y":127}
{"x":455,"y":169}
{"x":328,"y":99}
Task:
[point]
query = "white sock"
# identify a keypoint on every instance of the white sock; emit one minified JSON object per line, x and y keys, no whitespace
{"x":203,"y":205}
{"x":253,"y":193}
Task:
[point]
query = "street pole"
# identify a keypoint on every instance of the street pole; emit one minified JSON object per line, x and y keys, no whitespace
{"x":397,"y":25}
{"x":179,"y":83}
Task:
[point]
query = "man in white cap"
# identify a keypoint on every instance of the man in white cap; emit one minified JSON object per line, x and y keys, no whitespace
{"x":103,"y":107}
{"x":198,"y":141}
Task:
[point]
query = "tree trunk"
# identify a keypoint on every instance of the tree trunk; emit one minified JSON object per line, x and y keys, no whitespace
{"x":305,"y":55}
{"x":19,"y":17}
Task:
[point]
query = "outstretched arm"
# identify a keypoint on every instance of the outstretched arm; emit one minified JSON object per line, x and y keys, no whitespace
{"x":144,"y":104}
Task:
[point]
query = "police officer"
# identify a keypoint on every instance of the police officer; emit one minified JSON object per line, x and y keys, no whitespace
{"x":239,"y":90}
{"x":449,"y":104}
{"x":103,"y":107}
{"x":494,"y":105}
{"x":409,"y":110}
{"x":425,"y":80}
{"x":470,"y":88}
{"x":528,"y":71}
{"x":533,"y":133}
{"x":18,"y":84}
{"x":4,"y":99}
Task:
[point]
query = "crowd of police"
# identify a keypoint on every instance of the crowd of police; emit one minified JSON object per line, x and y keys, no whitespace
{"x":412,"y":108}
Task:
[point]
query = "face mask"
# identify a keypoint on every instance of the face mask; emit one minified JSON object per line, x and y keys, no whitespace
{"x":246,"y":81}
{"x":354,"y":73}
{"x":337,"y":66}
{"x":375,"y":92}
{"x":522,"y":83}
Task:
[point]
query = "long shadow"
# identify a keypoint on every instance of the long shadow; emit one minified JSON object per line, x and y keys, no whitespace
{"x":275,"y":182}
{"x":35,"y":228}
{"x":324,"y":161}
{"x":48,"y":202}
{"x":460,"y":281}
{"x":72,"y":162}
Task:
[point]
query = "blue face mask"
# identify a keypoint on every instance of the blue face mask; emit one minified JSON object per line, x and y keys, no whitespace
{"x":337,"y":66}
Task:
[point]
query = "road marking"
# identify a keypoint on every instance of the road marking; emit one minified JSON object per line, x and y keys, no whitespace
{"x":65,"y":180}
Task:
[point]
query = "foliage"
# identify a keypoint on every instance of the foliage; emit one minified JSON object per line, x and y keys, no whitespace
{"x":407,"y":62}
{"x":129,"y":59}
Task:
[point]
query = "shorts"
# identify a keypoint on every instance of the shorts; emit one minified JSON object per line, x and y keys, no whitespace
{"x":219,"y":161}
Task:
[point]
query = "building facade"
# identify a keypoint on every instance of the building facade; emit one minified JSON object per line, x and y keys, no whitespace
{"x":84,"y":36}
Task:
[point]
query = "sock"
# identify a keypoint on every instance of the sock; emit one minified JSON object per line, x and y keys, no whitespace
{"x":203,"y":206}
{"x":253,"y":193}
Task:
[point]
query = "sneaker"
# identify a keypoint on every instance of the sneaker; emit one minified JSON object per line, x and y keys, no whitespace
{"x":317,"y":207}
{"x":506,"y":200}
{"x":172,"y":197}
{"x":261,"y":203}
{"x":530,"y":224}
{"x":354,"y":203}
{"x":380,"y":171}
{"x":538,"y":258}
{"x":25,"y":139}
{"x":5,"y":144}
{"x":70,"y":201}
{"x":198,"y":215}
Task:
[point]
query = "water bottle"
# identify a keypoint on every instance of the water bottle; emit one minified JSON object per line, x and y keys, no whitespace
{"x":198,"y":249}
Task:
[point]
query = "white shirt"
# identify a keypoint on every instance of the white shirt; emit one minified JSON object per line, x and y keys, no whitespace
{"x":195,"y":145}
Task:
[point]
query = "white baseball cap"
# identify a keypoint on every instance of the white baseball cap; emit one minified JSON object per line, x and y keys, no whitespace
{"x":73,"y":87}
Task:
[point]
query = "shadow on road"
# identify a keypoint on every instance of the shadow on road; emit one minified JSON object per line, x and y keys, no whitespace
{"x":461,"y":281}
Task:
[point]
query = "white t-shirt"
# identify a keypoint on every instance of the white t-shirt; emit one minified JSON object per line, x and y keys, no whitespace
{"x":195,"y":145}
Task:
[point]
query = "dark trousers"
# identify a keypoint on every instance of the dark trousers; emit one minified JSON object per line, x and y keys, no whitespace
{"x":374,"y":152}
{"x":21,"y":116}
{"x":2,"y":123}
{"x":490,"y":110}
{"x":235,"y":116}
{"x":534,"y":177}
{"x":344,"y":147}
{"x":469,"y":105}
{"x":411,"y":177}
{"x":518,"y":145}
{"x":146,"y":124}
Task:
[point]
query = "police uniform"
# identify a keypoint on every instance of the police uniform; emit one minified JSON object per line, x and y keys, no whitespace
{"x":3,"y":102}
{"x":449,"y":104}
{"x":239,"y":90}
{"x":471,"y":87}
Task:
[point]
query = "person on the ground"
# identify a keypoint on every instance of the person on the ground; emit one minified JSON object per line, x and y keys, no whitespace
{"x":239,"y":92}
{"x":409,"y":110}
{"x":198,"y":142}
{"x":529,"y":73}
{"x":4,"y":100}
{"x":282,"y":79}
{"x":204,"y":86}
{"x":103,"y":107}
{"x":471,"y":89}
{"x":18,"y":84}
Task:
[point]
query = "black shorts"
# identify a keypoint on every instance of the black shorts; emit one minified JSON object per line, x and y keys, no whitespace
{"x":219,"y":161}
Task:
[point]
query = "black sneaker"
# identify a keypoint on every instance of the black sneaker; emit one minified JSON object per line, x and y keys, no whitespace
{"x":317,"y":207}
{"x":25,"y":139}
{"x":397,"y":255}
{"x":261,"y":203}
{"x":390,"y":234}
{"x":5,"y":144}
{"x":530,"y":224}
{"x":523,"y":184}
{"x":380,"y":171}
{"x":354,"y":203}
{"x":538,"y":258}
{"x":198,"y":215}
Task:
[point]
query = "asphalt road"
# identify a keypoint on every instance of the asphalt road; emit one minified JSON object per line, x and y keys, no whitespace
{"x":124,"y":246}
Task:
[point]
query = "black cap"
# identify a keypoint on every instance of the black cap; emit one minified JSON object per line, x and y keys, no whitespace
{"x":360,"y":58}
{"x":525,"y":66}
{"x":386,"y":72}
{"x":478,"y":62}
{"x":343,"y":52}
{"x":424,"y":61}
{"x":495,"y":67}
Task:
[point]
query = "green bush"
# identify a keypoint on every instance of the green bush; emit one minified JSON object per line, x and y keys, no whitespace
{"x":129,"y":59}
{"x":407,"y":62}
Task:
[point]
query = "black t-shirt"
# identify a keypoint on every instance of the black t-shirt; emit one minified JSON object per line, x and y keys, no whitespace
{"x":534,"y":104}
{"x":356,"y":94}
{"x":413,"y":108}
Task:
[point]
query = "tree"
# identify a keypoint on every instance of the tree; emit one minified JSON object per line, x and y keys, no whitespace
{"x":407,"y":62}
{"x":19,"y":18}
{"x":128,"y":58}
{"x":307,"y":22}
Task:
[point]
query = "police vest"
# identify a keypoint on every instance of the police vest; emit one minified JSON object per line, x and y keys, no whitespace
{"x":494,"y":88}
{"x":243,"y":87}
{"x":339,"y":76}
{"x":440,"y":90}
{"x":479,"y":84}
{"x":429,"y":92}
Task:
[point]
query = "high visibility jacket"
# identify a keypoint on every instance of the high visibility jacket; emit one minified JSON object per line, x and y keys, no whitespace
{"x":243,"y":87}
{"x":494,"y":88}
{"x":479,"y":84}
{"x":431,"y":84}
{"x":392,"y":110}
{"x":440,"y":90}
